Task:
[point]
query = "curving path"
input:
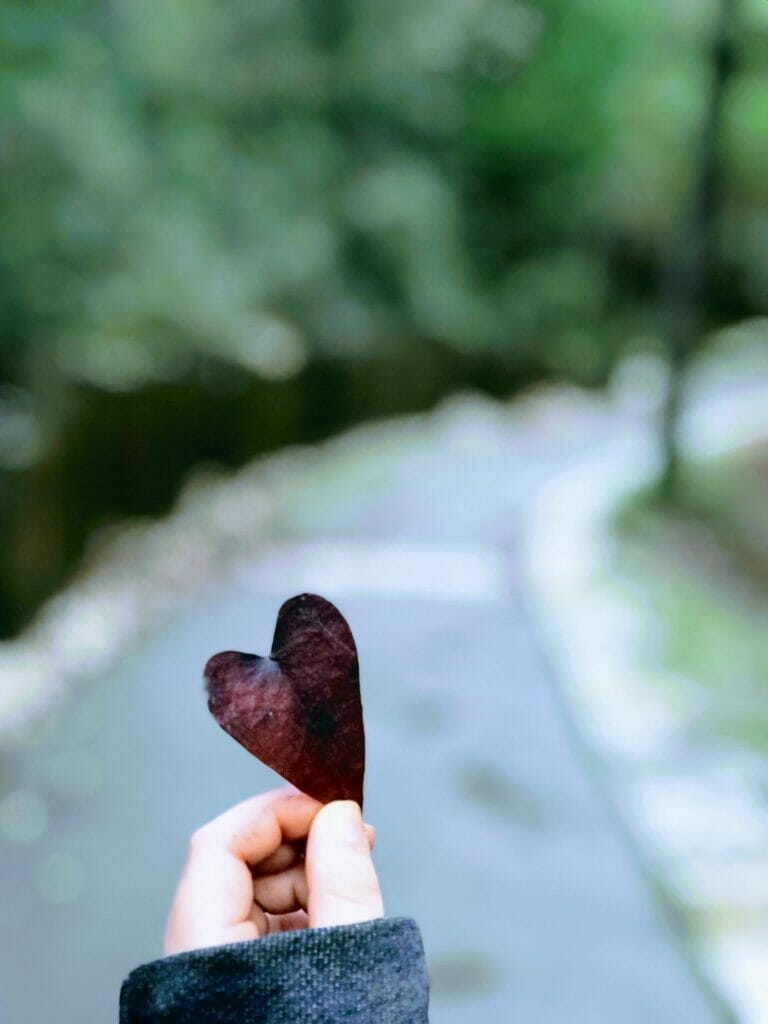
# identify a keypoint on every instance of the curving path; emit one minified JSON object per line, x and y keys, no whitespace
{"x":490,"y":829}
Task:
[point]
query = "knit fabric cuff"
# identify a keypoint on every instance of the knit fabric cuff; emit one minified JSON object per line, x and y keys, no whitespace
{"x":372,"y":971}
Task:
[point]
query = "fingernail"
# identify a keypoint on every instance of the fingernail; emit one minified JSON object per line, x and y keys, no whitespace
{"x":351,"y":824}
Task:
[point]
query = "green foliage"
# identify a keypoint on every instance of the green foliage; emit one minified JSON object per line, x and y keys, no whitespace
{"x":702,"y":576}
{"x":257,"y":182}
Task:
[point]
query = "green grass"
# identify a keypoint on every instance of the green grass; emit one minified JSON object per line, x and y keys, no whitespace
{"x":701,"y":572}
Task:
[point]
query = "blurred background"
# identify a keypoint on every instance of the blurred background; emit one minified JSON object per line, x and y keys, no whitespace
{"x":456,"y":313}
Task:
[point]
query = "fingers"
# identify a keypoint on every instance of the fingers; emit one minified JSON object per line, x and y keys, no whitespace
{"x":247,"y":873}
{"x":342,"y":882}
{"x":285,"y":856}
{"x":214,"y":897}
{"x":283,"y":893}
{"x":285,"y":922}
{"x":256,"y":828}
{"x":272,"y":924}
{"x":280,"y":881}
{"x":288,"y":854}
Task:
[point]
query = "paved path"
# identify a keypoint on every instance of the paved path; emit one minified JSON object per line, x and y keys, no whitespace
{"x":490,"y":832}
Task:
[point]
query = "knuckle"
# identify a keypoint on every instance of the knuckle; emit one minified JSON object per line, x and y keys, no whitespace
{"x":199,"y":839}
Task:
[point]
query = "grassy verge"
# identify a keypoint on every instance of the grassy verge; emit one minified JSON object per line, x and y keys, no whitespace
{"x":701,"y":571}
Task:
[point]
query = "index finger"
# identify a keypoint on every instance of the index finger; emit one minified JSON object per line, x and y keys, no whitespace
{"x":255,"y":828}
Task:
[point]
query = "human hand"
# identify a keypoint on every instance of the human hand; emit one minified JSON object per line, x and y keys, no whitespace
{"x":246,"y":876}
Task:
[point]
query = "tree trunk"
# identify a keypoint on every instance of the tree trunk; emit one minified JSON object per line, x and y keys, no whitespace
{"x":691,"y":260}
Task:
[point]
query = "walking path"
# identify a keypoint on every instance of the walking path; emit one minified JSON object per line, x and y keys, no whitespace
{"x":491,"y":830}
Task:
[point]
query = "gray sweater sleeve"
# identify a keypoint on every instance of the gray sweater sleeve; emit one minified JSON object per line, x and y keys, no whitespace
{"x":366,"y":973}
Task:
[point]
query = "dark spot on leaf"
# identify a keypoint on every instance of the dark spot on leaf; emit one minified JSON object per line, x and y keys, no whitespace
{"x":321,"y":723}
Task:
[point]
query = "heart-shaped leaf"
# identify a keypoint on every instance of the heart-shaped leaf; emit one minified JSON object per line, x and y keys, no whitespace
{"x":298,"y":710}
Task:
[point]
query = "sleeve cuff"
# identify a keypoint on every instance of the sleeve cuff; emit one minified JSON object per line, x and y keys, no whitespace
{"x":372,"y":971}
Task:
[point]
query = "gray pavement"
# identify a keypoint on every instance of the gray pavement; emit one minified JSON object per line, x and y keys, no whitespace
{"x":490,"y":831}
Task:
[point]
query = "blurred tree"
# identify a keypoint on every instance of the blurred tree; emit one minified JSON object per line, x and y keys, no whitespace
{"x":268,"y":181}
{"x":691,"y":266}
{"x":264,"y":181}
{"x":230,"y":227}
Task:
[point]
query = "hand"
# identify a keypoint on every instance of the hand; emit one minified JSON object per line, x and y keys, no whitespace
{"x":246,"y":875}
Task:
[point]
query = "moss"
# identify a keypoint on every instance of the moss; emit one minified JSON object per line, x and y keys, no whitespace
{"x":702,"y":572}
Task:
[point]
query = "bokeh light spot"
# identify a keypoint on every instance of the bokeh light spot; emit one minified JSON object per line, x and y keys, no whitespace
{"x":23,"y":817}
{"x":59,"y":878}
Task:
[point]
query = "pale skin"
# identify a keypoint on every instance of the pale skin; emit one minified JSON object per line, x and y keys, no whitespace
{"x":247,"y":874}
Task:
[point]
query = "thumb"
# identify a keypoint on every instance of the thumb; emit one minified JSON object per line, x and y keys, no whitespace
{"x":341,"y":878}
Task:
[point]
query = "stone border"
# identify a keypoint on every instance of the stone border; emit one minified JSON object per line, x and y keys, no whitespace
{"x":687,"y":818}
{"x":137,"y":578}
